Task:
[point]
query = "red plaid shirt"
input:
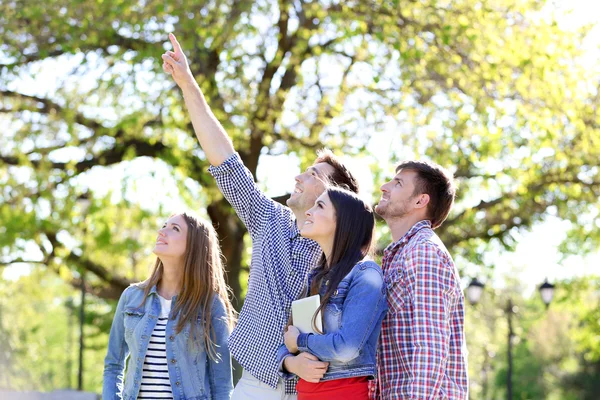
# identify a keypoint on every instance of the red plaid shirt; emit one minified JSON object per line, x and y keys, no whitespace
{"x":422,"y":353}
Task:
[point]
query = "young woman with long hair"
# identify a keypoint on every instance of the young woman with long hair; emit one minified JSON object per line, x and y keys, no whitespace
{"x":353,"y":301}
{"x":173,"y":327}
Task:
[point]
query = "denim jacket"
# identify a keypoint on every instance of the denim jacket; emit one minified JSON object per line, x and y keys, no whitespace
{"x":352,"y":321}
{"x":193,"y":374}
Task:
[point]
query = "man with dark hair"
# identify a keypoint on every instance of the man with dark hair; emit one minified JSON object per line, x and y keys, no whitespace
{"x":340,"y":176}
{"x":422,"y":353}
{"x":281,"y":258}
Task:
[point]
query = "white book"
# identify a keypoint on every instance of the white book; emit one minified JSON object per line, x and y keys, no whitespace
{"x":303,"y":311}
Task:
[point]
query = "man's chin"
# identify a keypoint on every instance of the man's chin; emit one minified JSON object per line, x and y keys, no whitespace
{"x":380,"y":210}
{"x":295,"y":203}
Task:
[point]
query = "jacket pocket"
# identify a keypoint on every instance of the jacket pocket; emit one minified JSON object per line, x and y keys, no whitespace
{"x":336,"y":301}
{"x":132,"y":317}
{"x":334,"y":308}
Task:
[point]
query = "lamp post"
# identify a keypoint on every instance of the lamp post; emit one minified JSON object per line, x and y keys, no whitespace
{"x":510,"y":310}
{"x":84,"y":203}
{"x":70,"y":309}
{"x":474,"y":292}
{"x":81,"y":321}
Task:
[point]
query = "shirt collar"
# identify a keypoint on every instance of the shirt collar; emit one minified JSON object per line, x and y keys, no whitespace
{"x":152,"y":290}
{"x":294,"y":232}
{"x":392,"y":247}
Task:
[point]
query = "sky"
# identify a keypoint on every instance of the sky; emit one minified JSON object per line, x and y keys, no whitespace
{"x":536,"y":256}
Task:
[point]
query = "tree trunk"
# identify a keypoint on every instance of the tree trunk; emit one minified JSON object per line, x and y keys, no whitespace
{"x":231,"y":233}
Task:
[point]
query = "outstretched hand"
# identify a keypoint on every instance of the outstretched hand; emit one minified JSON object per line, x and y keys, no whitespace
{"x":175,"y":63}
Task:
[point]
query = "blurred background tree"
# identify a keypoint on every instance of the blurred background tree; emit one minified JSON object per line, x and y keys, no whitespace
{"x":494,"y":90}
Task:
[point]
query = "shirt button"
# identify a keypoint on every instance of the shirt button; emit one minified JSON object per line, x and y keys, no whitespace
{"x":173,"y":361}
{"x":171,"y":338}
{"x":177,"y":383}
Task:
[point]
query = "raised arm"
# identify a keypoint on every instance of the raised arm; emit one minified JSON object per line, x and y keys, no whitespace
{"x":210,"y":133}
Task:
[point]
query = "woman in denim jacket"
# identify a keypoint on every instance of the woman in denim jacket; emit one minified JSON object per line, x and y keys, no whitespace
{"x":353,"y":301}
{"x":178,"y":351}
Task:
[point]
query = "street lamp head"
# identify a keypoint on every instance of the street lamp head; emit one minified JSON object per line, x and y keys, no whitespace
{"x":547,"y":292}
{"x":84,"y":202}
{"x":474,"y":291}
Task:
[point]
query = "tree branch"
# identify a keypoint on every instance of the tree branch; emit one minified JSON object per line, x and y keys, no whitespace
{"x":98,"y":270}
{"x":20,"y":260}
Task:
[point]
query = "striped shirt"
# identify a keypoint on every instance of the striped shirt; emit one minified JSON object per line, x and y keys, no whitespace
{"x":155,"y":373}
{"x":281,"y":259}
{"x":422,"y":353}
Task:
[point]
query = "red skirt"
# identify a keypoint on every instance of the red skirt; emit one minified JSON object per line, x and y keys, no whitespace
{"x":337,"y":389}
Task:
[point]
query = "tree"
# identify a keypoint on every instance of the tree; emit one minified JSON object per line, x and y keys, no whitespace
{"x":494,"y":90}
{"x":39,"y":339}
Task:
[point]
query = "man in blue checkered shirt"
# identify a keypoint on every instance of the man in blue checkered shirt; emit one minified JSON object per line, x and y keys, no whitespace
{"x":281,"y":258}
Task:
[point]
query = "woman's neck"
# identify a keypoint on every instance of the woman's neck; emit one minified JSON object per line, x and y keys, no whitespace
{"x":327,"y":248}
{"x":171,"y":280}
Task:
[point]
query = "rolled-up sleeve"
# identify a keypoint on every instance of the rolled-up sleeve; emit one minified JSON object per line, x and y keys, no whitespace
{"x":237,"y":184}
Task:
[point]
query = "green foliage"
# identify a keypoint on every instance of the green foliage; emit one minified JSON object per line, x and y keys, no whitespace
{"x":494,"y":92}
{"x":39,"y":321}
{"x":551,"y":348}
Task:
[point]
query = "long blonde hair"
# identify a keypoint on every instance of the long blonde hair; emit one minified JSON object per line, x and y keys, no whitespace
{"x":203,"y":278}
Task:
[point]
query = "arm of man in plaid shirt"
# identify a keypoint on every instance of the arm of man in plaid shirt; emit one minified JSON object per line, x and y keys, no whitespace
{"x":431,"y":285}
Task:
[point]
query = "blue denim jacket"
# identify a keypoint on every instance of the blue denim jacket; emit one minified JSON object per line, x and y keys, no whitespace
{"x":193,"y":374}
{"x":352,"y":321}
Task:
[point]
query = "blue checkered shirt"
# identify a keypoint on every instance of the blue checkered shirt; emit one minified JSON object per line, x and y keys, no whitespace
{"x":281,"y":259}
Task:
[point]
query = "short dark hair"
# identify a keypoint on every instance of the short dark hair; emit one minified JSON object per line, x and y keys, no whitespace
{"x":438,"y":183}
{"x":341,"y":176}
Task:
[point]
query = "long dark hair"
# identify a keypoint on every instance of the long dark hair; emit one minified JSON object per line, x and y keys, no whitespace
{"x":351,"y":242}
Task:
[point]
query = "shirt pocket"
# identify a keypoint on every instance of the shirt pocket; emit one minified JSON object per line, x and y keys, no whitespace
{"x":396,"y":291}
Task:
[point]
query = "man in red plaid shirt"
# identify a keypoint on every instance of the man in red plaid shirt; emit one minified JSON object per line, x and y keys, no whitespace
{"x":422,"y":353}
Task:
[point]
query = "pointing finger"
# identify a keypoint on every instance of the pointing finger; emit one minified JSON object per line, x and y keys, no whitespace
{"x":175,"y":43}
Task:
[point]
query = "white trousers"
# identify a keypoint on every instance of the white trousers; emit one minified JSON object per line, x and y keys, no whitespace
{"x":250,"y":388}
